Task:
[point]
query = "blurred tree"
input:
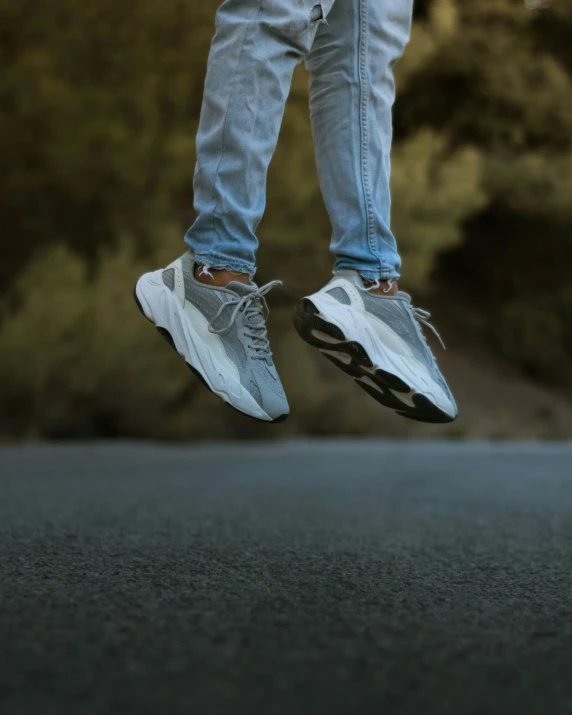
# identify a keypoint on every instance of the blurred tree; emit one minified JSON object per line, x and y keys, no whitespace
{"x":99,"y":105}
{"x":501,"y":82}
{"x":434,"y":191}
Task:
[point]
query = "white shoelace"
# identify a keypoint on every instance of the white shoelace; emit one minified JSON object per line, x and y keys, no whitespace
{"x":377,"y":284}
{"x":254,"y":306}
{"x":422,"y":316}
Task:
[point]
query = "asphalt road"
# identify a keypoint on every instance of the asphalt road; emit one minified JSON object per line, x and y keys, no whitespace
{"x":310,"y":578}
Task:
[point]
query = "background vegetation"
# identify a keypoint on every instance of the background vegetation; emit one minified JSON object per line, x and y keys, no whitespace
{"x":99,"y":105}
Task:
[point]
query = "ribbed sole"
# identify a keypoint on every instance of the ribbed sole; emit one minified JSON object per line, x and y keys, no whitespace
{"x":382,"y":385}
{"x":166,"y":335}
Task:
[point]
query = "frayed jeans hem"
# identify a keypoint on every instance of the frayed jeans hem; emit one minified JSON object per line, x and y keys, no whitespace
{"x":388,"y":274}
{"x":211,"y":260}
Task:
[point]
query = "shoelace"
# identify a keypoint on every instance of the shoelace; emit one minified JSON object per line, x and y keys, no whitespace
{"x":422,"y":316}
{"x":254,"y":306}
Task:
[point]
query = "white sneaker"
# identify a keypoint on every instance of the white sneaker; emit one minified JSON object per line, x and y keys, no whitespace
{"x":379,"y":342}
{"x":221,"y":334}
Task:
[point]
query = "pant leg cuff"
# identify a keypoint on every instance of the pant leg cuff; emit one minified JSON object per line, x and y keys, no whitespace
{"x":220,"y":263}
{"x":380,"y":274}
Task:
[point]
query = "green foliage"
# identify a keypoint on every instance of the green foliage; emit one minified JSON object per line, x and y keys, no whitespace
{"x":76,"y":358}
{"x":433,"y":193}
{"x":502,"y":83}
{"x":99,"y":105}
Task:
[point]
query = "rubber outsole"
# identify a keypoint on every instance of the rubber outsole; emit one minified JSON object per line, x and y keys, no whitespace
{"x":385,"y":387}
{"x":166,"y":335}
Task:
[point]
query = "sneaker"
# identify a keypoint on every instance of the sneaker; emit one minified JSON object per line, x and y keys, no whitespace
{"x":221,"y":333}
{"x":377,"y":340}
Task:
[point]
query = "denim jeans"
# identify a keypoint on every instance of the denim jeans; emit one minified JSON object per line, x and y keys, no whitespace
{"x":350,"y":48}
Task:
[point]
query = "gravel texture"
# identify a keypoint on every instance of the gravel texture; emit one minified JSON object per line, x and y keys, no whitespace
{"x":286,"y":578}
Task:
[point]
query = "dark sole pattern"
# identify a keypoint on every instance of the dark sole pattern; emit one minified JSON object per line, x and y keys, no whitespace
{"x":308,"y":322}
{"x":164,"y":333}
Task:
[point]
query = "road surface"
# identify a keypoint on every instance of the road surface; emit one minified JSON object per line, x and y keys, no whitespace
{"x":330,"y":578}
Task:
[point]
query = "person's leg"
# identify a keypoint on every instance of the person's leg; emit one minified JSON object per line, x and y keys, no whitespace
{"x":204,"y":303}
{"x":254,"y":52}
{"x":351,"y":96}
{"x":360,"y":320}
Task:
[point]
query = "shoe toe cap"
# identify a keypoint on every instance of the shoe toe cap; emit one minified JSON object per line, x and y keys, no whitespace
{"x":275,"y":406}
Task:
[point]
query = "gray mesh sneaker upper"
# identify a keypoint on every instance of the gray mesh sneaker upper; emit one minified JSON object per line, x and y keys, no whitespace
{"x":340,"y":295}
{"x":405,"y":320}
{"x":237,"y":314}
{"x":169,"y":278}
{"x":397,"y":312}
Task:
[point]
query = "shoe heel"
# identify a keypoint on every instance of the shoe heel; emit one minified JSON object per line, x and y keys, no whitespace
{"x":307,"y":321}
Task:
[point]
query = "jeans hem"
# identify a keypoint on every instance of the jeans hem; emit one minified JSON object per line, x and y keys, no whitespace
{"x":381,"y":274}
{"x":219,"y":263}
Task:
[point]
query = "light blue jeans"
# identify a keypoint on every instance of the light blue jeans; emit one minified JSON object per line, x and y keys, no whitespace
{"x":350,"y":48}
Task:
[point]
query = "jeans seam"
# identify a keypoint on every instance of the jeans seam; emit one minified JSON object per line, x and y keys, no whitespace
{"x":230,"y":98}
{"x":368,"y":201}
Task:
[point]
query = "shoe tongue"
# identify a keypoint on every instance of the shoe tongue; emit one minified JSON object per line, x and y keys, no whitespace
{"x":404,"y":296}
{"x":255,"y":317}
{"x":241,"y":288}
